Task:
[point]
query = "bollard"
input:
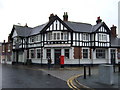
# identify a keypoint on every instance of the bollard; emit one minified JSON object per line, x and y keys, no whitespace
{"x":84,"y":72}
{"x":118,"y":68}
{"x":89,"y":71}
{"x":114,"y":68}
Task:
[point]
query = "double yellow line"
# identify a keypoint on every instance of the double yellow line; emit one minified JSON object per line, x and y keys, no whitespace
{"x":76,"y":85}
{"x":70,"y":82}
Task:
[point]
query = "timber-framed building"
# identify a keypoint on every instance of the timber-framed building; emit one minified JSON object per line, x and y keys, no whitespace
{"x":79,"y":43}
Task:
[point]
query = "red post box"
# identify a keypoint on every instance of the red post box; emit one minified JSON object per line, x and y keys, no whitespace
{"x":62,"y":60}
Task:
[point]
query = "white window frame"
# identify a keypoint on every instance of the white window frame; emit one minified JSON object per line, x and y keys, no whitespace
{"x":30,"y":54}
{"x":30,"y":39}
{"x":102,"y":37}
{"x":85,"y":37}
{"x":88,"y":52}
{"x":68,"y":53}
{"x":62,"y":35}
{"x":103,"y":54}
{"x":37,"y":53}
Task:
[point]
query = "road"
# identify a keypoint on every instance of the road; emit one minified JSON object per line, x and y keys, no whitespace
{"x":16,"y":77}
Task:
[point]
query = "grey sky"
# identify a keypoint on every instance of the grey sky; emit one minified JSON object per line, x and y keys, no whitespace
{"x":36,"y":12}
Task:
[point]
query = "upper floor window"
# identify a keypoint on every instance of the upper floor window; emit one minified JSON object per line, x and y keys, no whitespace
{"x":17,"y":40}
{"x":57,"y":36}
{"x":49,"y":36}
{"x":102,"y":37}
{"x":31,"y":39}
{"x":85,"y":36}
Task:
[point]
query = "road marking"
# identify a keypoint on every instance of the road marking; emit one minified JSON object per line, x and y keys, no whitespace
{"x":74,"y":87}
{"x":70,"y":82}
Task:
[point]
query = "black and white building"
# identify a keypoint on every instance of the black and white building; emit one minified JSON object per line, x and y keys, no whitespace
{"x":80,"y":43}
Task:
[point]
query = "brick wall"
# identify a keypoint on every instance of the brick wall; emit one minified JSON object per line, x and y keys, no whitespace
{"x":77,"y":53}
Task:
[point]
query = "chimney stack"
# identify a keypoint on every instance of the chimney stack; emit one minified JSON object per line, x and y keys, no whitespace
{"x":98,"y":20}
{"x":65,"y":16}
{"x":113,"y":31}
{"x":4,"y":41}
{"x":51,"y":16}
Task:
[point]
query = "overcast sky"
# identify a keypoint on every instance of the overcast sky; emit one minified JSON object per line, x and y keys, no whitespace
{"x":36,"y":12}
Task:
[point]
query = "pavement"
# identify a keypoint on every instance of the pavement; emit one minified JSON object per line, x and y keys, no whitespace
{"x":90,"y":81}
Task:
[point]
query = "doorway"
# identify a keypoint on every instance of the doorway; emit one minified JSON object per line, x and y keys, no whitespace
{"x":57,"y":56}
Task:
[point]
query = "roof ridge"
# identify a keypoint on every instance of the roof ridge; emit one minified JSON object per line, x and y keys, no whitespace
{"x":78,"y":22}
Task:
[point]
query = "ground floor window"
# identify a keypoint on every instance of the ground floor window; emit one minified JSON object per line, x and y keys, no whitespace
{"x":48,"y":53}
{"x":67,"y":53}
{"x":85,"y":53}
{"x":38,"y":53}
{"x":100,"y":53}
{"x":32,"y":53}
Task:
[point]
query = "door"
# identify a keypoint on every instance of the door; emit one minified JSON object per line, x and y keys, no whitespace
{"x":57,"y":56}
{"x":113,"y":56}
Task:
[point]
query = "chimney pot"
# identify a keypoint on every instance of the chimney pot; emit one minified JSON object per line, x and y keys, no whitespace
{"x":65,"y":16}
{"x":51,"y":16}
{"x":98,"y":20}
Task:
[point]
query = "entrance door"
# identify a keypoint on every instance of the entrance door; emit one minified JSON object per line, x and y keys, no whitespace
{"x":113,"y":56}
{"x":57,"y":56}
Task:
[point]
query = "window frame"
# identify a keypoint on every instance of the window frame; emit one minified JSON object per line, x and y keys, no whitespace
{"x":100,"y":54}
{"x":87,"y":52}
{"x":31,"y":53}
{"x":67,"y":53}
{"x":37,"y":53}
{"x":48,"y":54}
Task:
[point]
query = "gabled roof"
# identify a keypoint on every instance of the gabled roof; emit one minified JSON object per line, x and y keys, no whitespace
{"x":79,"y":27}
{"x":37,"y":29}
{"x":71,"y":26}
{"x":97,"y":26}
{"x":22,"y":31}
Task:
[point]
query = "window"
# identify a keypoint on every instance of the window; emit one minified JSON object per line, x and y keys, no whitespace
{"x":65,"y":36}
{"x":37,"y":38}
{"x":3,"y":48}
{"x":85,"y":36}
{"x":48,"y":53}
{"x":85,"y":53}
{"x":38,"y":53}
{"x":67,"y":53}
{"x":54,"y":36}
{"x":49,"y":36}
{"x":102,"y":37}
{"x":8,"y":47}
{"x":61,"y":36}
{"x":31,"y":39}
{"x":100,"y":53}
{"x":58,"y":36}
{"x":32,"y":54}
